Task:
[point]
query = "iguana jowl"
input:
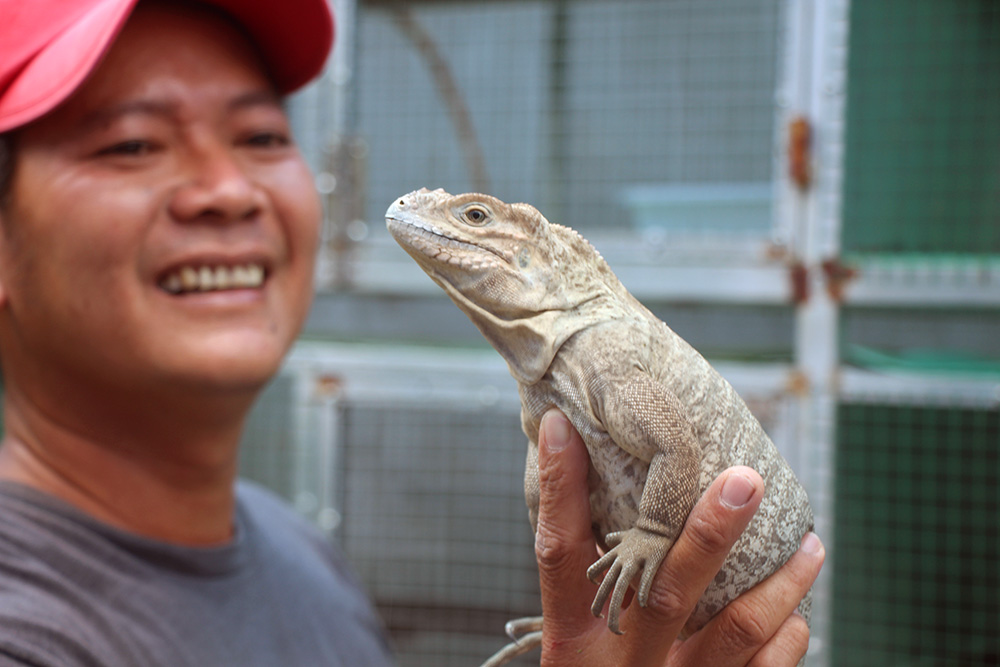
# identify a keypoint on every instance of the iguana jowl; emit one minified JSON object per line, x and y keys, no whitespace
{"x":659,"y":422}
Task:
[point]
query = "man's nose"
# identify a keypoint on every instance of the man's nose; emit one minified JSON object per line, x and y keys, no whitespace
{"x":215,"y":187}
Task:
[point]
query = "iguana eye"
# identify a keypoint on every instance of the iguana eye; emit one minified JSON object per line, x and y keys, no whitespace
{"x":476,"y":215}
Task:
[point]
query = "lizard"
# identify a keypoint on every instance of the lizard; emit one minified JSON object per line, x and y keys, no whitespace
{"x":658,"y":421}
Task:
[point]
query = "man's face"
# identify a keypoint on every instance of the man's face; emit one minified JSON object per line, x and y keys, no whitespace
{"x":170,"y":170}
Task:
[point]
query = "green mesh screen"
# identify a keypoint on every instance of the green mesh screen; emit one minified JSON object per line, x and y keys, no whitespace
{"x":922,"y":171}
{"x":917,"y":548}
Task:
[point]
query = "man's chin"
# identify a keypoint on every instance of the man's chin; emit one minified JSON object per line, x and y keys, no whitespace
{"x":227,"y":372}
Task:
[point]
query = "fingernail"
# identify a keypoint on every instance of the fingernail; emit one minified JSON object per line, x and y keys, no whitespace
{"x":556,"y":428}
{"x":811,"y":543}
{"x":737,"y":490}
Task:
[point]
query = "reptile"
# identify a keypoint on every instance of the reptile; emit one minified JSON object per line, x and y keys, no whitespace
{"x":660,"y":424}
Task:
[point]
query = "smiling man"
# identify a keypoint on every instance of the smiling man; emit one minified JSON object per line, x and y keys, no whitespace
{"x":157,"y":235}
{"x":170,"y":169}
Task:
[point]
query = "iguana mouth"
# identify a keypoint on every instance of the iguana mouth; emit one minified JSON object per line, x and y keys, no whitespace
{"x":439,"y":240}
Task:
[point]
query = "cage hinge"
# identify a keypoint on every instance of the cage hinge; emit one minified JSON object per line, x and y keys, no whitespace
{"x":838,"y":275}
{"x":798,"y":278}
{"x":800,"y":152}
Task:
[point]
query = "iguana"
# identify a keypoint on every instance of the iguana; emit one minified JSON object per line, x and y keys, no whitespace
{"x":658,"y":421}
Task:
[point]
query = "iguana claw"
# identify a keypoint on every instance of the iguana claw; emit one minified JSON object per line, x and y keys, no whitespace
{"x":635,"y":550}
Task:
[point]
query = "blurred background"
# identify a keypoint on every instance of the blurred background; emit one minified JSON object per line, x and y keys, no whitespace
{"x":808,"y":191}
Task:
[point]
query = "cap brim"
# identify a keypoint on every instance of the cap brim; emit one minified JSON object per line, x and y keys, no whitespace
{"x":294,"y":42}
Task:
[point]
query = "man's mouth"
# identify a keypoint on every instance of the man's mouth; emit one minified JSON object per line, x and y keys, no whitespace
{"x":213,"y":278}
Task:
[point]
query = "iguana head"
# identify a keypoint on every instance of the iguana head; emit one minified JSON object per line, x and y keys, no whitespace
{"x":523,"y":281}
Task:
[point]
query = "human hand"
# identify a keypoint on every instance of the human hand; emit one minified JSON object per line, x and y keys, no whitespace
{"x":758,"y":628}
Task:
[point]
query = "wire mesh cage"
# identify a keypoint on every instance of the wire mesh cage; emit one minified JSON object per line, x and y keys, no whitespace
{"x":916,"y":474}
{"x":632,"y":113}
{"x":413,"y":461}
{"x":629,"y":119}
{"x":436,"y":524}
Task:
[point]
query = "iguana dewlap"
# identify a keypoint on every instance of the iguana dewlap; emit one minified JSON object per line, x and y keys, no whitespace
{"x":659,"y":423}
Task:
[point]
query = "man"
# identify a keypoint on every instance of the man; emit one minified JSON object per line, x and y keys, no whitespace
{"x":157,"y":234}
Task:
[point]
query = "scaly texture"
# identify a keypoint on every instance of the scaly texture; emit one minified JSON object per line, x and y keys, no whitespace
{"x":659,"y":423}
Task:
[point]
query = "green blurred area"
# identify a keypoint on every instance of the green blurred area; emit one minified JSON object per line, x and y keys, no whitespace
{"x":922,"y":172}
{"x":917,"y":548}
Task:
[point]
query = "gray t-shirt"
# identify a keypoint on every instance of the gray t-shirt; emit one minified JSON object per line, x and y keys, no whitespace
{"x":75,"y":591}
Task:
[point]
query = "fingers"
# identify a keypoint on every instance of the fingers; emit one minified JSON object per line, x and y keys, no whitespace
{"x":564,"y":542}
{"x":715,"y":523}
{"x":787,"y":647}
{"x":760,"y":627}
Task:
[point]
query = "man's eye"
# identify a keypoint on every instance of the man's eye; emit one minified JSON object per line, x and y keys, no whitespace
{"x":268,"y":140}
{"x":133,"y":147}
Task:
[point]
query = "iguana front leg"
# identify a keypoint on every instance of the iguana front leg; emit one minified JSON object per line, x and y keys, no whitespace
{"x":645,"y":419}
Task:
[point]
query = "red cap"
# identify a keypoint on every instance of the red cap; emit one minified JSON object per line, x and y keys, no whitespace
{"x":48,"y":47}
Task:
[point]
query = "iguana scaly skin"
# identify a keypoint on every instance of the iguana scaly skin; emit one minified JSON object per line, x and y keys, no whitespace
{"x":659,"y":423}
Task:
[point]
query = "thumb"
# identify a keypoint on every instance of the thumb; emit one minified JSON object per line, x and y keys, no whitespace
{"x":564,"y":541}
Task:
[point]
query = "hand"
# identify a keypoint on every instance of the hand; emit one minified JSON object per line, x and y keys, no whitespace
{"x":758,"y":628}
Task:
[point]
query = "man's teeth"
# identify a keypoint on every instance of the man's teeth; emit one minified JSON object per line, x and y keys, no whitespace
{"x":207,"y":278}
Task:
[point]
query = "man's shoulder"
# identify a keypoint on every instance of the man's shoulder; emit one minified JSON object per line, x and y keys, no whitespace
{"x":43,"y":618}
{"x":71,"y":590}
{"x":38,"y":642}
{"x":41,"y":621}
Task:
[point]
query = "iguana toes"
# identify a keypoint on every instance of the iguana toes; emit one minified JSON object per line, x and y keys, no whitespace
{"x":659,"y":423}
